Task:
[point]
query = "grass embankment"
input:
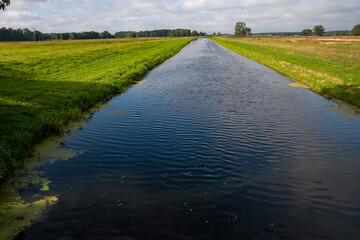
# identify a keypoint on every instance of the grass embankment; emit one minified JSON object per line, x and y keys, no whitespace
{"x":328,"y":65}
{"x":44,"y":85}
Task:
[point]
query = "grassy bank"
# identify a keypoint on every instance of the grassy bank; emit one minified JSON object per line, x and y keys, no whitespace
{"x":44,"y":85}
{"x":328,"y":65}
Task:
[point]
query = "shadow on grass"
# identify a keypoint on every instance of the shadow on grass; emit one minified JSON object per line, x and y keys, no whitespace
{"x":32,"y":109}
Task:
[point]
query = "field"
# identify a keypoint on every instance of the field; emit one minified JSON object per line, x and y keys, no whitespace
{"x":327,"y":65}
{"x":44,"y":85}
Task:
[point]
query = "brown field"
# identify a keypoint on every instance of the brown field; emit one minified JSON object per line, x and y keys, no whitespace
{"x":313,"y":39}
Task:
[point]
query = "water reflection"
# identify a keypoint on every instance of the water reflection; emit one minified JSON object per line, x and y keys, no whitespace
{"x":347,"y":111}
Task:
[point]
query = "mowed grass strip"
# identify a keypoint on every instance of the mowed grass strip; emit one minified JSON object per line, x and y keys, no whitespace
{"x":327,"y":65}
{"x":44,"y":85}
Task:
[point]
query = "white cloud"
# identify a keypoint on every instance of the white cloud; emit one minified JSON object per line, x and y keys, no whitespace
{"x":202,"y":15}
{"x":21,"y":14}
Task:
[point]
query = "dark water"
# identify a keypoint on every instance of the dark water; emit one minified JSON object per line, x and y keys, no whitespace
{"x":211,"y":146}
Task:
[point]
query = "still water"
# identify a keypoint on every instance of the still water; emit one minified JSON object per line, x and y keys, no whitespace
{"x":210,"y":145}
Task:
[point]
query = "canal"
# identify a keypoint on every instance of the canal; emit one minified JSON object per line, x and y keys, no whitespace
{"x":210,"y":145}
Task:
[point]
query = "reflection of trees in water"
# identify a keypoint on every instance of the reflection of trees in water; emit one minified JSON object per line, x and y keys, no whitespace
{"x":346,"y":110}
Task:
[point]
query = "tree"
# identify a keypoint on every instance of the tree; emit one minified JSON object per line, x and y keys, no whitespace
{"x":194,"y":33}
{"x":356,"y":30}
{"x":307,"y":32}
{"x":241,"y":29}
{"x":4,"y":4}
{"x":153,"y":33}
{"x":319,"y":30}
{"x":105,"y":34}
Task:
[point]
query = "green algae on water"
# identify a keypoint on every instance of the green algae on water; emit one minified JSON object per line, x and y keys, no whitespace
{"x":140,"y":83}
{"x":17,"y":213}
{"x":115,"y":113}
{"x":51,"y":150}
{"x":45,"y":188}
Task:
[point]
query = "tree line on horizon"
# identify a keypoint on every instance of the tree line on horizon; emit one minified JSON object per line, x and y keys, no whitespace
{"x":318,"y":30}
{"x":10,"y":34}
{"x":159,"y":33}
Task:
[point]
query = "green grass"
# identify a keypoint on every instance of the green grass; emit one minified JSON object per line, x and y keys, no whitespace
{"x":44,"y":85}
{"x":329,"y":66}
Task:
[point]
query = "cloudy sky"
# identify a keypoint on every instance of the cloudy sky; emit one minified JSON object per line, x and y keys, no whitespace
{"x":202,"y":15}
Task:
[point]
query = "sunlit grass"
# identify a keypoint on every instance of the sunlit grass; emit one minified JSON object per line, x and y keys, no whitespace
{"x":328,"y":65}
{"x":44,"y":85}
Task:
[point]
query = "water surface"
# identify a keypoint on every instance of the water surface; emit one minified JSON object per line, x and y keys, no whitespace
{"x":210,"y":145}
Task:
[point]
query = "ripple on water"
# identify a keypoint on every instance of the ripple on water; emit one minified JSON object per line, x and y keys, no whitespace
{"x":212,"y":146}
